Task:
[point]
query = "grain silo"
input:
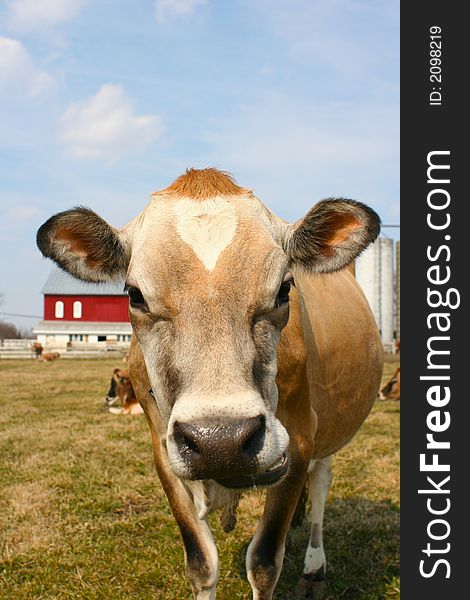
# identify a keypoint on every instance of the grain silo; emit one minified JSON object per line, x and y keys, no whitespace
{"x":397,"y":284}
{"x":374,"y":272}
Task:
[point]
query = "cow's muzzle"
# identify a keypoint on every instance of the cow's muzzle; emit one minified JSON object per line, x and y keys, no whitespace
{"x":264,"y":479}
{"x":220,"y":450}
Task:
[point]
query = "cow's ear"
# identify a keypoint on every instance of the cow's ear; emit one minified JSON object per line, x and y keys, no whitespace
{"x":331,"y":235}
{"x":84,"y":245}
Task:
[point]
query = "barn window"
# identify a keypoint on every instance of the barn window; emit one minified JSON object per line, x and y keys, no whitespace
{"x":59,"y":309}
{"x":77,"y":309}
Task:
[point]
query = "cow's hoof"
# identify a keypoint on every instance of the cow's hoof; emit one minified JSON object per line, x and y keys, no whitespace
{"x":310,"y":587}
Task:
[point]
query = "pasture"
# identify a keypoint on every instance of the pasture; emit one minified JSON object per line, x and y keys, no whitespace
{"x":82,"y":513}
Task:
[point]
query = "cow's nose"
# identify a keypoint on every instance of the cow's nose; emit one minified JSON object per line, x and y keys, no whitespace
{"x":217,"y":449}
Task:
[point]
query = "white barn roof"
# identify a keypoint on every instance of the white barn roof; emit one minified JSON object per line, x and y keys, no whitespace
{"x":82,"y":327}
{"x":61,"y":283}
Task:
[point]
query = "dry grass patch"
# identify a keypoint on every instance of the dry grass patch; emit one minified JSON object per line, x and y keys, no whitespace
{"x":29,"y":519}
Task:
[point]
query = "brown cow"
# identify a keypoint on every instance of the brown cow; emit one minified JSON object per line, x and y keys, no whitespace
{"x":37,"y":348}
{"x":259,"y":381}
{"x":121,"y":390}
{"x":391,"y":390}
{"x":49,"y":356}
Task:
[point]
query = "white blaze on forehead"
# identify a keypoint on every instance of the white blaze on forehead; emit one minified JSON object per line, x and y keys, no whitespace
{"x":208,"y":226}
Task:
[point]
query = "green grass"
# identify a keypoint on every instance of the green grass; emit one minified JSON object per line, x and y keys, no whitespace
{"x":83,"y":514}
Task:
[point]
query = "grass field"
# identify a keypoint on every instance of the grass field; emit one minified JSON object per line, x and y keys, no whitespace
{"x":82,"y":514}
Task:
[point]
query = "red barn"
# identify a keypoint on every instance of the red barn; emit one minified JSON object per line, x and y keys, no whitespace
{"x":78,"y":313}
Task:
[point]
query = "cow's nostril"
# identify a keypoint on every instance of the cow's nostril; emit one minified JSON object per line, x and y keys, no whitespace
{"x":190,"y":445}
{"x":255,"y":437}
{"x":185,"y":438}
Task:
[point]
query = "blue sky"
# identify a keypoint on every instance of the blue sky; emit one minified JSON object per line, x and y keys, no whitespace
{"x":104,"y":101}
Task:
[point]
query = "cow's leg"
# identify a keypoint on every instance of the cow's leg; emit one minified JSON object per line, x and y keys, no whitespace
{"x":201,"y":558}
{"x":265,"y":553}
{"x":200,"y":552}
{"x":312,"y":584}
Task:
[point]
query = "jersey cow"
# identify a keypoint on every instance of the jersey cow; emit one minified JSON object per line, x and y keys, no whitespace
{"x":121,"y":391}
{"x":258,"y":380}
{"x":391,"y":390}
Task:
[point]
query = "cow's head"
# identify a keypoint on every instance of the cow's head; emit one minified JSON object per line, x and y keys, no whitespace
{"x":123,"y":382}
{"x":391,"y":390}
{"x":208,"y":270}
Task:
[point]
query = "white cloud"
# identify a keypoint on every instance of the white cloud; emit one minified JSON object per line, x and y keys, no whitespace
{"x":37,"y":15}
{"x":18,"y":73}
{"x":104,"y":126}
{"x":166,"y":9}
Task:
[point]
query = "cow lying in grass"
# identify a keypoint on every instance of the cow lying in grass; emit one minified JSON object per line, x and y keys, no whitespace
{"x":391,"y":390}
{"x":121,"y":392}
{"x":48,"y":356}
{"x":259,"y":381}
{"x":37,"y":349}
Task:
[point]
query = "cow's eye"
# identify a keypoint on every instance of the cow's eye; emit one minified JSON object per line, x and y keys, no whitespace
{"x":283,"y":293}
{"x":135,"y":297}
